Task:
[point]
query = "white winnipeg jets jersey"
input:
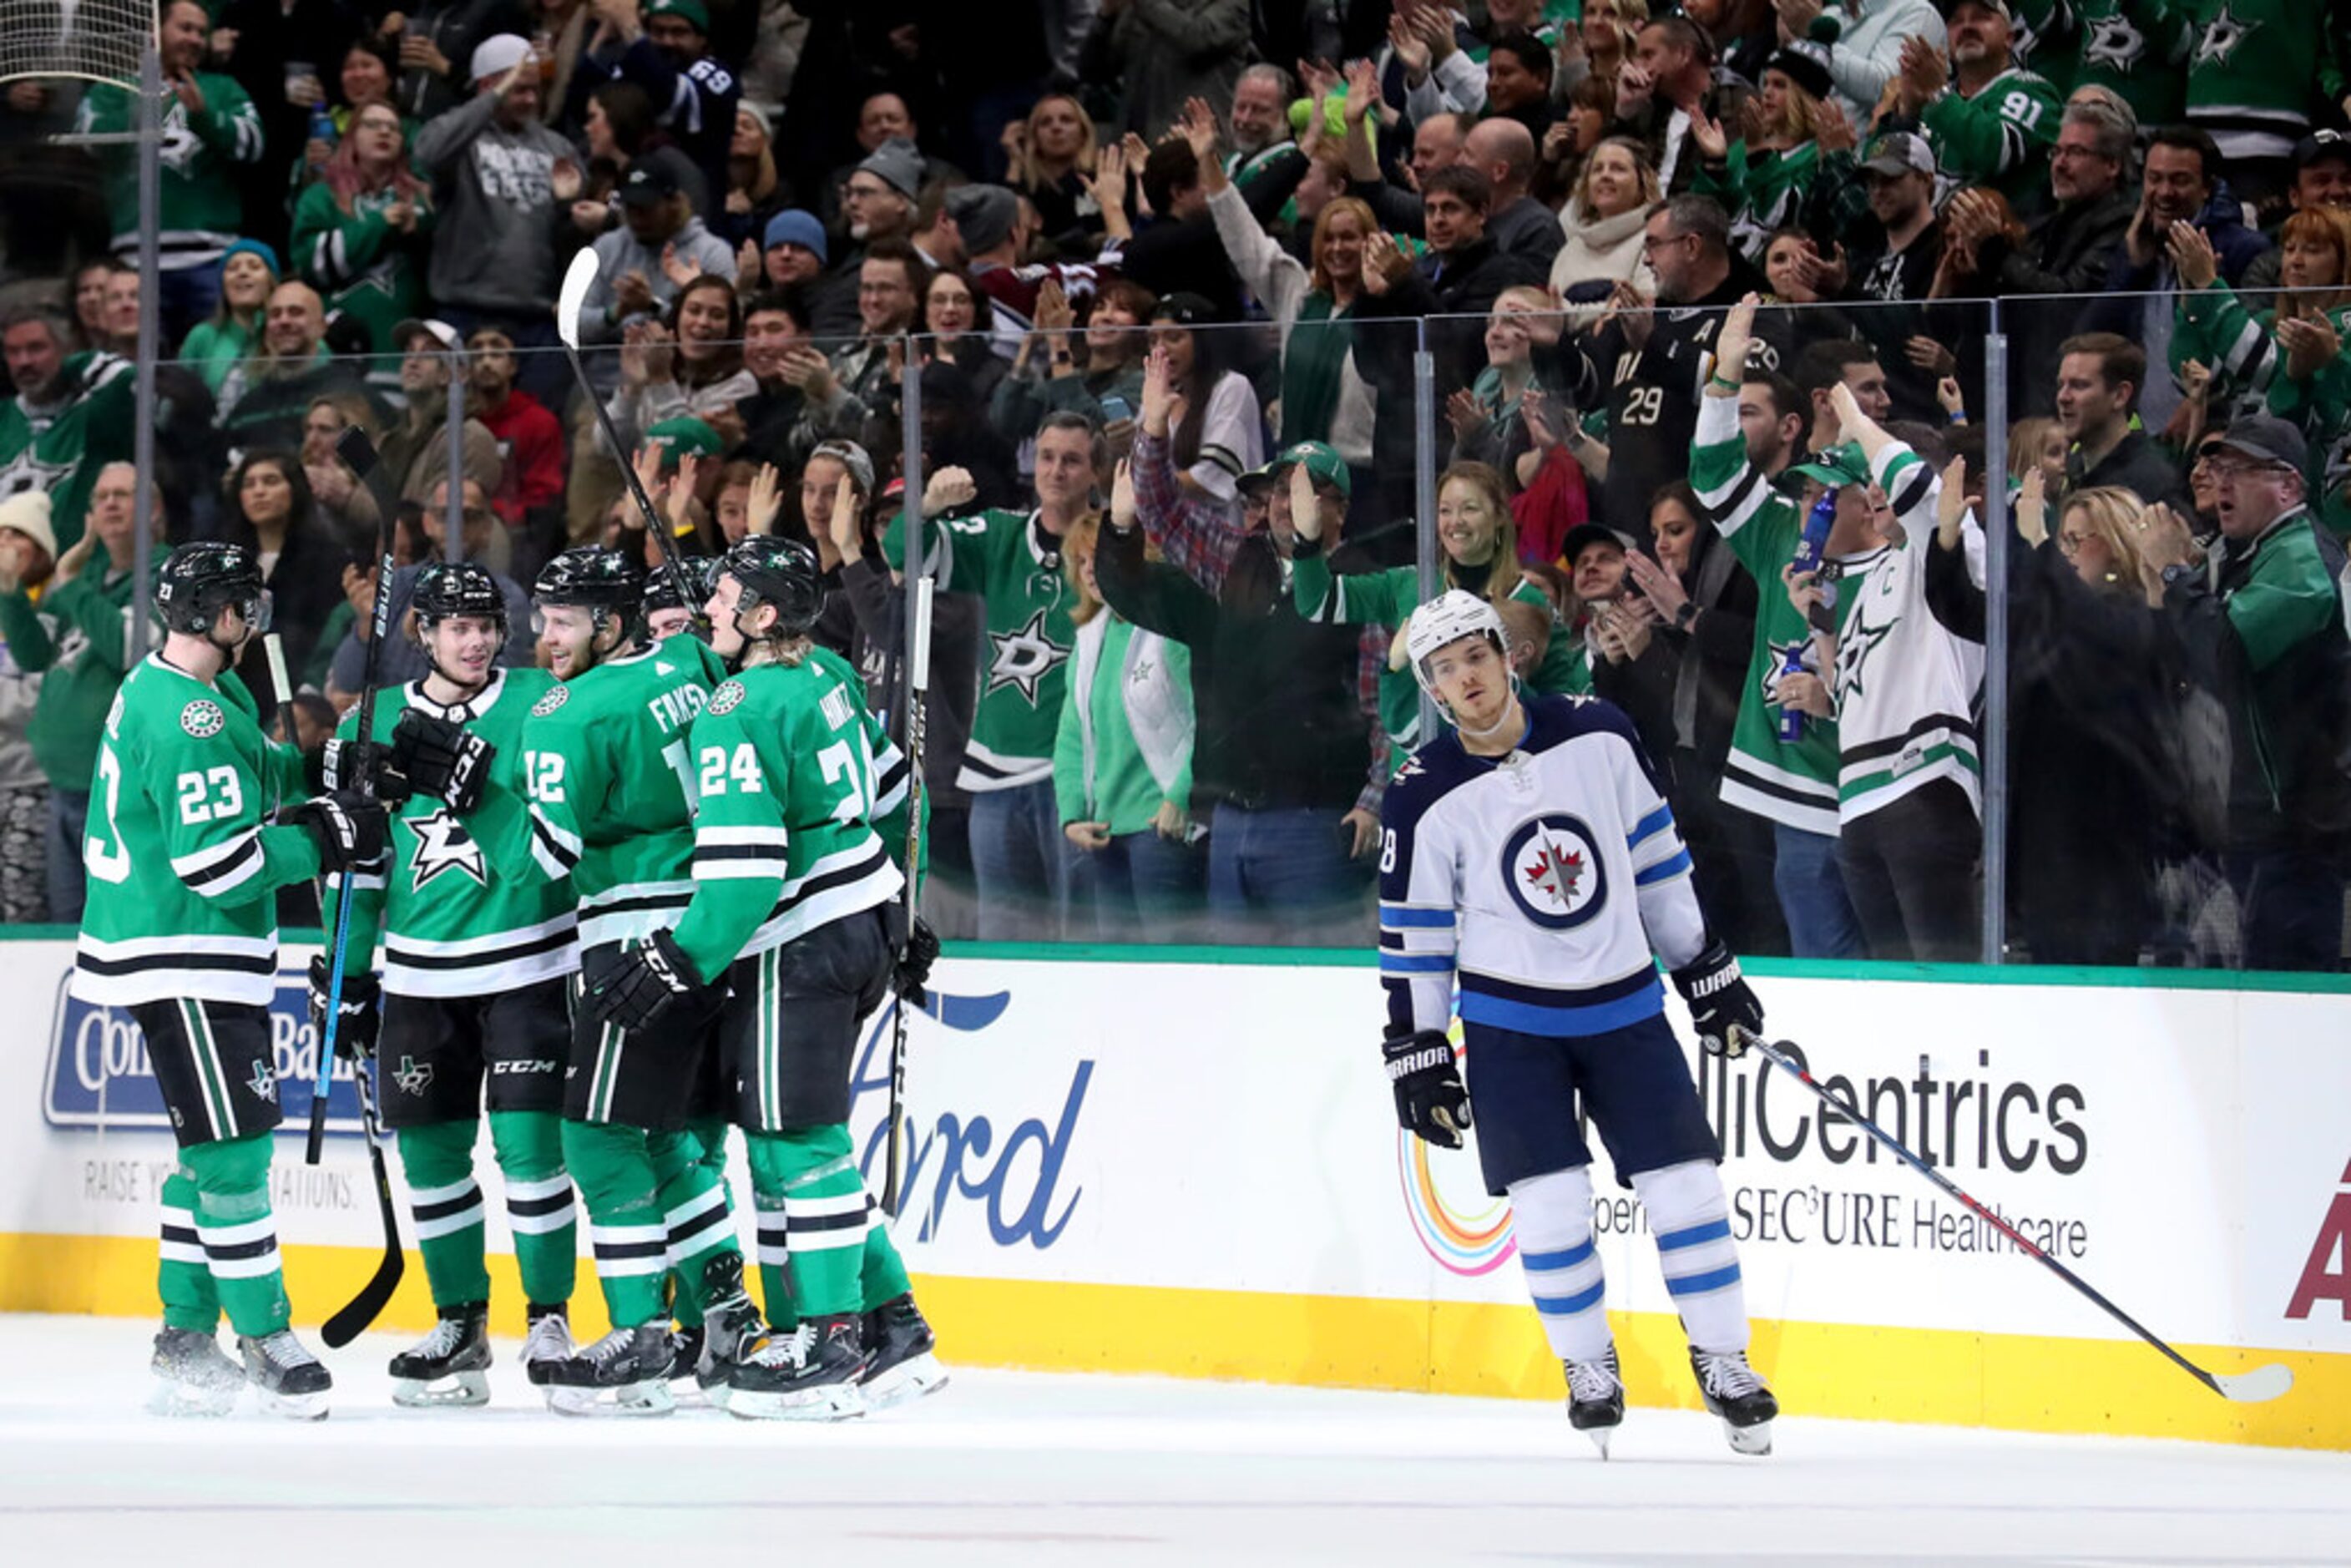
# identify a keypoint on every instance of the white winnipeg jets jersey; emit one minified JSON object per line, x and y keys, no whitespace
{"x":1545,"y":881}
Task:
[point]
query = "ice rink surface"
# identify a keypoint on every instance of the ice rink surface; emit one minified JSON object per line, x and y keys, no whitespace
{"x":1003,"y":1468}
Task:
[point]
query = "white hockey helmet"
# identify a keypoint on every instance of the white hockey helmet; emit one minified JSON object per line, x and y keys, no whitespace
{"x":1444,"y":621}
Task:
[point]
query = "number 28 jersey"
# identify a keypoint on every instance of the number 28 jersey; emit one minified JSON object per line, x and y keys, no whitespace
{"x":183,"y":875}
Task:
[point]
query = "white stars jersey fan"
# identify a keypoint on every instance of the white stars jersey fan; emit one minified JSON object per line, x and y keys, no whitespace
{"x":1545,"y":881}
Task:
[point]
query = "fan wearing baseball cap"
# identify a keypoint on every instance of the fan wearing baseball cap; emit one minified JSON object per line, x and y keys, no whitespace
{"x":664,"y":47}
{"x":1988,"y":119}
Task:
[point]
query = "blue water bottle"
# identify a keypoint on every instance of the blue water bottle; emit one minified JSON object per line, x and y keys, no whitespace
{"x":322,"y":125}
{"x":1812,"y":549}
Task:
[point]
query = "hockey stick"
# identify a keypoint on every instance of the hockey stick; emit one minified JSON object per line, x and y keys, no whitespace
{"x":577,"y":279}
{"x":918,"y":687}
{"x":367,"y":1305}
{"x":358,"y":453}
{"x":2254,"y":1387}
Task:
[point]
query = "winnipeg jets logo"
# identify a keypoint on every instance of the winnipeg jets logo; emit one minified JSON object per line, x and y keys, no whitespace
{"x":411,"y":1076}
{"x":1023,"y":657}
{"x":263,"y":1082}
{"x":2113,"y":44}
{"x":1551,"y":866}
{"x":443,"y":844}
{"x":2223,"y":35}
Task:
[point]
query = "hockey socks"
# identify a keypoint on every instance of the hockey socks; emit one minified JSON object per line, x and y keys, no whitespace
{"x":1690,"y":1215}
{"x":445,"y":1203}
{"x":540,"y":1208}
{"x":1552,"y":1215}
{"x":181,"y":1278}
{"x":614,"y":1170}
{"x":238,"y":1235}
{"x":811,"y":1177}
{"x":695,"y":1206}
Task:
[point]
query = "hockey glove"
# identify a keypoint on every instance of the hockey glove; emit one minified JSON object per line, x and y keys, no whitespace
{"x":913,"y":977}
{"x":1726,"y":1013}
{"x":443,"y":759}
{"x":356,"y":1018}
{"x":1430,"y":1099}
{"x":353,"y":767}
{"x":635,"y":988}
{"x":349,"y":829}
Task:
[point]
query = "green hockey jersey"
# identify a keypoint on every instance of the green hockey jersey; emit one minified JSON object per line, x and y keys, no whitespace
{"x":1005,"y":558}
{"x":2000,"y":137}
{"x":60,"y":447}
{"x":609,"y":773}
{"x":367,"y":269}
{"x":183,"y":875}
{"x":200,"y":208}
{"x":1795,"y":782}
{"x":2257,"y":68}
{"x":450,"y":924}
{"x":795,"y":778}
{"x":2138,"y":48}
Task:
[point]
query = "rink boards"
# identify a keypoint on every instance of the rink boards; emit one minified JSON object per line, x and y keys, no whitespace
{"x":1186,"y":1163}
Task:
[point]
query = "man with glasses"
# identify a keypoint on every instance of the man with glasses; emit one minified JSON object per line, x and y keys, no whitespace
{"x":839,"y":392}
{"x":2261,"y":621}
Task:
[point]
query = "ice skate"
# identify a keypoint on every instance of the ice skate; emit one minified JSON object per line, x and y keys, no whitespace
{"x":685,"y":1352}
{"x":1733,"y":1391}
{"x":289,"y":1380}
{"x":732,"y":1329}
{"x":810,"y":1374}
{"x":193,"y":1375}
{"x":450,"y":1367}
{"x":1595,"y":1397}
{"x":626,"y":1372}
{"x":547,"y":1344}
{"x":901,"y":1368}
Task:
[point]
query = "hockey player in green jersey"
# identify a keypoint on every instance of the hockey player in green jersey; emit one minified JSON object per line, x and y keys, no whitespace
{"x":180,"y":929}
{"x":473,"y":987}
{"x":609,"y":780}
{"x":795,"y":911}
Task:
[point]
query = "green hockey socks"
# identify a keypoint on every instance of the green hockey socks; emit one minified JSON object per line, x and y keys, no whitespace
{"x":445,"y":1202}
{"x":219,"y":1251}
{"x":821,"y":1248}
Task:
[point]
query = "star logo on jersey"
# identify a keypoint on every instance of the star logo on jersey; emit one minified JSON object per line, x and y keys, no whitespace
{"x":1780,"y":653}
{"x":26,"y":472}
{"x":1552,"y":865}
{"x":555,"y":698}
{"x":1023,"y":657}
{"x":179,"y":145}
{"x":202,"y":718}
{"x":443,"y":844}
{"x":2114,"y":45}
{"x":1856,"y":643}
{"x":2224,"y":35}
{"x":724,"y":699}
{"x":263,"y":1082}
{"x":411,"y":1076}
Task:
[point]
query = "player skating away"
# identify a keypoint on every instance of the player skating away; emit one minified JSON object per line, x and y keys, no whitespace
{"x":476,"y":968}
{"x":608,"y":772}
{"x":1533,"y":856}
{"x":794,"y":910}
{"x":182,"y":929}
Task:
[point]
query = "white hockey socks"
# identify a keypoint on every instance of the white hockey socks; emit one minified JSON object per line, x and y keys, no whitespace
{"x":1690,"y":1215}
{"x":1552,"y":1215}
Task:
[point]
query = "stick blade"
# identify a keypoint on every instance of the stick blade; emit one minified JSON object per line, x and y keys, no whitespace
{"x":356,"y":1318}
{"x":577,"y":279}
{"x":2258,"y":1386}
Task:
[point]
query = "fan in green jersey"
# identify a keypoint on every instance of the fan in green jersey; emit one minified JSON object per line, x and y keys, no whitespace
{"x":474,"y":968}
{"x":180,"y":929}
{"x":795,"y":908}
{"x":1990,"y":121}
{"x":610,"y":787}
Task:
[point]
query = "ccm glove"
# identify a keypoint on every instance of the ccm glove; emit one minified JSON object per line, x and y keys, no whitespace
{"x":356,"y":766}
{"x":635,"y":988}
{"x":1726,"y":1013}
{"x":355,"y":1018}
{"x":913,"y":977}
{"x":1430,"y":1099}
{"x":443,"y":759}
{"x":349,"y":829}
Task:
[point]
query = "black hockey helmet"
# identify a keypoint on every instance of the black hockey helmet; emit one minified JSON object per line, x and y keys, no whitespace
{"x":198,"y":582}
{"x":685,"y":585}
{"x":781,"y":572}
{"x":595,"y":577}
{"x":447,"y":588}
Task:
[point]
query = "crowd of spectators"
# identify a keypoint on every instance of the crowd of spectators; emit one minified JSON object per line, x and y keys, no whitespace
{"x":1172,"y":276}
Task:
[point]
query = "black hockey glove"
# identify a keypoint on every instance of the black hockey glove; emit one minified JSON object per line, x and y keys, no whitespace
{"x":350,"y":767}
{"x":1430,"y":1099}
{"x":443,"y":759}
{"x":635,"y":988}
{"x":1726,"y":1013}
{"x":349,"y":829}
{"x":913,"y":977}
{"x":356,"y":1018}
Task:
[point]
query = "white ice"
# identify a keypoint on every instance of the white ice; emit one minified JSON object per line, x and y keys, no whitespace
{"x":1005,"y":1468}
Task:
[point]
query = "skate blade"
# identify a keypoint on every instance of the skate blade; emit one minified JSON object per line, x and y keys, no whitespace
{"x":458,"y":1390}
{"x":904,"y":1383}
{"x":189,"y":1401}
{"x":1601,"y":1437}
{"x":296,"y":1407}
{"x":1754,"y":1441}
{"x":651,"y":1397}
{"x":832,"y":1402}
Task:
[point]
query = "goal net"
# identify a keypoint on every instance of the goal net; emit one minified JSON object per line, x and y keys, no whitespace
{"x":96,"y":40}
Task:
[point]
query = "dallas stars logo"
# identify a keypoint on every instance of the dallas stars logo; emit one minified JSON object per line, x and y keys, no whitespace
{"x":180,"y":145}
{"x":1856,"y":643}
{"x":202,"y":718}
{"x":443,"y":844}
{"x":1023,"y":657}
{"x":1780,"y":653}
{"x":26,"y":472}
{"x":2113,"y":44}
{"x":263,"y":1082}
{"x":2222,"y":36}
{"x":411,"y":1076}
